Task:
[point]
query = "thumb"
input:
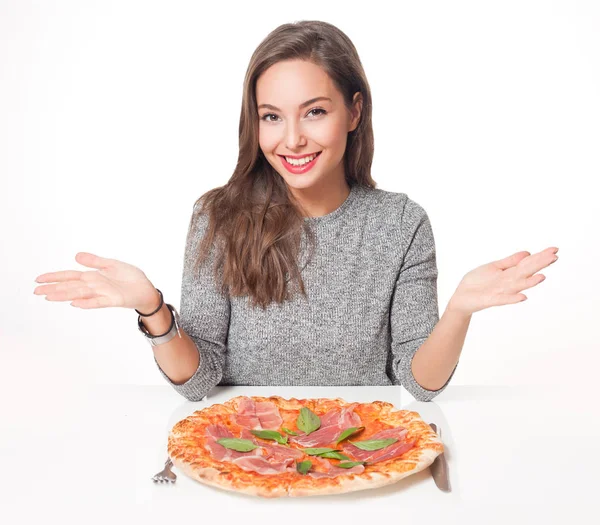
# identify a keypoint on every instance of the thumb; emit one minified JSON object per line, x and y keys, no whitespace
{"x":92,"y":261}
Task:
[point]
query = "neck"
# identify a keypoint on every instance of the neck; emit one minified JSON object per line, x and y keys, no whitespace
{"x":322,"y":200}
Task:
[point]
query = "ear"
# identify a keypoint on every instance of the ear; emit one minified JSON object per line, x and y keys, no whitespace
{"x":357,"y":103}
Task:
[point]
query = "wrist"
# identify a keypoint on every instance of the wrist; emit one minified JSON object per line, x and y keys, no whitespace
{"x":151,"y":304}
{"x":455,"y":310}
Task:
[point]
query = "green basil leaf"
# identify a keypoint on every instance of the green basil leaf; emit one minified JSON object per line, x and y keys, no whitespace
{"x":334,"y":455}
{"x":307,"y":420}
{"x":350,"y":464}
{"x":270,"y":434}
{"x":290,"y":432}
{"x":374,"y":444}
{"x":348,"y":432}
{"x":303,"y":466}
{"x":317,"y":451}
{"x":241,"y":445}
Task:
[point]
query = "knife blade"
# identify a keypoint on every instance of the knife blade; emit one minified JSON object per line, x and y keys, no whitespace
{"x":439,"y":467}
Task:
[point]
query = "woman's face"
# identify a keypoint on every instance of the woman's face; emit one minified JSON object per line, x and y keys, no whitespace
{"x":301,"y":113}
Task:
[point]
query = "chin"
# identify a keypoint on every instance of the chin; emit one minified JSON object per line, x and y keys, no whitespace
{"x":297,"y":185}
{"x":301,"y":181}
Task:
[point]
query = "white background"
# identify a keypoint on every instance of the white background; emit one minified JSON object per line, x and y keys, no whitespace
{"x":116,"y":116}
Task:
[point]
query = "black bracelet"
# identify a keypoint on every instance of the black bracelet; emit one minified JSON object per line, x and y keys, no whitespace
{"x":159,"y":306}
{"x":145,"y":330}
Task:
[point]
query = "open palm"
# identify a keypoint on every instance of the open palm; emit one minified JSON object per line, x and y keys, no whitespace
{"x":500,"y":282}
{"x":112,"y":283}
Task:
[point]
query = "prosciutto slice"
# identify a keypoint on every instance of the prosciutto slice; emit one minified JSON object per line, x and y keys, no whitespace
{"x":221,"y":453}
{"x":263,"y":465}
{"x":257,"y":415}
{"x":330,"y":470}
{"x":333,"y":423}
{"x":373,"y":456}
{"x":273,"y":450}
{"x":266,"y":459}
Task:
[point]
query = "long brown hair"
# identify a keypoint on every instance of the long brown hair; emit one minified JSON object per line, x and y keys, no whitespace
{"x":256,"y":218}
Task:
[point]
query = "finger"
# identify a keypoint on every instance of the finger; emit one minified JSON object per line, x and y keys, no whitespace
{"x":538,"y":261}
{"x":511,"y":260}
{"x":60,"y":287}
{"x":95,"y":302}
{"x":68,"y":275}
{"x":69,"y":295}
{"x":92,"y":261}
{"x":532,"y":281}
{"x":515,"y":285}
{"x":84,"y":258}
{"x":513,"y":299}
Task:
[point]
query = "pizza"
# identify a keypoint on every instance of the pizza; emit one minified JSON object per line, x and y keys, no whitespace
{"x":273,"y":447}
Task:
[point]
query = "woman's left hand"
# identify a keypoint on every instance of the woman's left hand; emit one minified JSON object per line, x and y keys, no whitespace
{"x":500,"y":282}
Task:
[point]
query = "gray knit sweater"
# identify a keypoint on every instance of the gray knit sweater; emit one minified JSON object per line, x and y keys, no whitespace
{"x":372,"y":302}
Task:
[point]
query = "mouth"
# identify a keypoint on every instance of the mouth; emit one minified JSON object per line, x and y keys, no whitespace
{"x":298,"y":169}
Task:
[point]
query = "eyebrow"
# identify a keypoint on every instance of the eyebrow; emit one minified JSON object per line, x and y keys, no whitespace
{"x":303,"y":105}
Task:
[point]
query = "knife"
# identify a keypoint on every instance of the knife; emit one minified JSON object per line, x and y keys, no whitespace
{"x":439,"y":467}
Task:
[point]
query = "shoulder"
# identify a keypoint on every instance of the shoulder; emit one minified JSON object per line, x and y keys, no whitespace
{"x":198,"y":220}
{"x":395,"y":207}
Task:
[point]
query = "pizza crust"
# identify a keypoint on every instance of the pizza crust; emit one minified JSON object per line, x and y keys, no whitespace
{"x":213,"y":477}
{"x":364,"y":481}
{"x":187,"y":453}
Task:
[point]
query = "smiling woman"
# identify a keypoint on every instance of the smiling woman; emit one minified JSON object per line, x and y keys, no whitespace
{"x":301,"y":213}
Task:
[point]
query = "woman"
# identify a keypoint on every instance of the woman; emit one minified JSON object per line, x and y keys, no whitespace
{"x":257,"y":305}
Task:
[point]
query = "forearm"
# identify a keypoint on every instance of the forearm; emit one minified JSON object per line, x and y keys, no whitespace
{"x":178,"y":358}
{"x":438,"y":356}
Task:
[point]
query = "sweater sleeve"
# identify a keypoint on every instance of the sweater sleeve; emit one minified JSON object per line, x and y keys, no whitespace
{"x":204,"y":316}
{"x":414,"y":307}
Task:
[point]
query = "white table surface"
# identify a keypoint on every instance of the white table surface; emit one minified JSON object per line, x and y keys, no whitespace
{"x":87,"y":456}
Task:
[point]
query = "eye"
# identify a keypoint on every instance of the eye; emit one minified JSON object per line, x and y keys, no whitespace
{"x":323,"y":112}
{"x":266,"y":117}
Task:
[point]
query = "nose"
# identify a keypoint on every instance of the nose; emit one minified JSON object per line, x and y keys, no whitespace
{"x":294,"y":138}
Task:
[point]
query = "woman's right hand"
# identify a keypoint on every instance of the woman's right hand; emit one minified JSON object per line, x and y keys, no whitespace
{"x":114,"y":283}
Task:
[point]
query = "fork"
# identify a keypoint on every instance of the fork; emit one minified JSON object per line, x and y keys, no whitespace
{"x":165,"y":475}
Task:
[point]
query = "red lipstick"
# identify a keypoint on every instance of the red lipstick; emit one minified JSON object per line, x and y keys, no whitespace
{"x":298,"y":170}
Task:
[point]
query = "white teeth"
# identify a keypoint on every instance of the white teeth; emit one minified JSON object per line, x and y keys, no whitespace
{"x":300,"y":162}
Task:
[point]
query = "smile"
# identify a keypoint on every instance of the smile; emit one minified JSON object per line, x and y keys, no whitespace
{"x":298,"y":166}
